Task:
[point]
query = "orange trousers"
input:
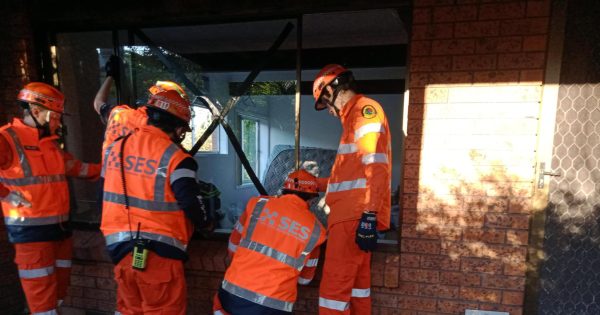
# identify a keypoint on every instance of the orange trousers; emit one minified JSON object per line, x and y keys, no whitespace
{"x":159,"y":289}
{"x":346,"y":281}
{"x":44,"y":271}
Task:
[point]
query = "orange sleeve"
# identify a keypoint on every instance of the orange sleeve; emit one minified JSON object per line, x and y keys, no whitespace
{"x":310,"y":267}
{"x":373,"y":144}
{"x":6,"y":153}
{"x":76,"y":168}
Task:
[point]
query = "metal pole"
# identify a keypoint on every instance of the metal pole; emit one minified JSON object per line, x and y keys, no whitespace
{"x":117,"y":52}
{"x":298,"y":89}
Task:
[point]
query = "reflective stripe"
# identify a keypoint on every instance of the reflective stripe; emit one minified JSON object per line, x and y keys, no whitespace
{"x":296,"y":263}
{"x":374,"y":158}
{"x":126,"y":236}
{"x":257,"y":297}
{"x":84,"y":169}
{"x":36,"y":273}
{"x":347,"y":148}
{"x":118,"y":313}
{"x":368,"y":128}
{"x":232,"y":247}
{"x":333,"y":304}
{"x":347,"y":185}
{"x":50,"y":312}
{"x":312,"y":262}
{"x":33,"y":180}
{"x":63,"y":263}
{"x":161,"y":173}
{"x":258,"y":208}
{"x":239,"y":227}
{"x":304,"y":280}
{"x":182,"y":173}
{"x":361,"y":293}
{"x":26,"y":221}
{"x":22,"y":157}
{"x":105,"y":160}
{"x":141,"y":203}
{"x":218,"y":313}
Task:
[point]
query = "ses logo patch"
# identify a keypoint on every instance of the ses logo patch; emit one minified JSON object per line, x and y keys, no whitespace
{"x":284,"y":224}
{"x":133,"y":164}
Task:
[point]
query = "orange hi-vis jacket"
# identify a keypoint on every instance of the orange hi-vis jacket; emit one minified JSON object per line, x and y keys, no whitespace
{"x":150,"y":158}
{"x":38,"y":171}
{"x":361,"y":175}
{"x":275,"y":246}
{"x":121,"y":121}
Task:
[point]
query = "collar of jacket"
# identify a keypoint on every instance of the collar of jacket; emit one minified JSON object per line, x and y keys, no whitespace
{"x":347,"y":109}
{"x":31,"y":131}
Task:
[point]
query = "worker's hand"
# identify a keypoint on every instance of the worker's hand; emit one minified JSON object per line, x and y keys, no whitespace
{"x":366,"y":233}
{"x":16,"y":199}
{"x":112,"y":67}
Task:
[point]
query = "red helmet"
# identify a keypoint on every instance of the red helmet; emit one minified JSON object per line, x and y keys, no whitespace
{"x":324,"y":78}
{"x":171,"y":102}
{"x":301,"y":181}
{"x":44,"y":95}
{"x":161,"y":86}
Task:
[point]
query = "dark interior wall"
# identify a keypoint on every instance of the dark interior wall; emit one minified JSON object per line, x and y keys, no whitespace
{"x":569,"y":276}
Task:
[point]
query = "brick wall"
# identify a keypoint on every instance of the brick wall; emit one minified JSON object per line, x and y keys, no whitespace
{"x":16,"y":68}
{"x":476,"y":74}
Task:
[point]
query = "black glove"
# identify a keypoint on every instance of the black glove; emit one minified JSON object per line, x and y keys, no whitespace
{"x":112,"y":67}
{"x":366,"y":233}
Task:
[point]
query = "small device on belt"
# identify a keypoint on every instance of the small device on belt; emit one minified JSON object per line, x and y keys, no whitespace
{"x":140,"y":252}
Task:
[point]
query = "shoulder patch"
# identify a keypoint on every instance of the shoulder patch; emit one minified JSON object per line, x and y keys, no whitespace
{"x":368,"y":111}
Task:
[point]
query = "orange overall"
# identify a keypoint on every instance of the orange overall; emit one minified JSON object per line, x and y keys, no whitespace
{"x":359,"y":182}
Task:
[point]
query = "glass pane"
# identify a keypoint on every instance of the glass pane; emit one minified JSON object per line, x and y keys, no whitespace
{"x":249,"y":145}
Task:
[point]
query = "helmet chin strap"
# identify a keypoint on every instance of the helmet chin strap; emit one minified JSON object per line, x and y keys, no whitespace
{"x":45,"y":128}
{"x":331,"y":103}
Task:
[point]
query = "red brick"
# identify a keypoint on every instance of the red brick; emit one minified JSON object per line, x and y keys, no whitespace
{"x":477,"y":29}
{"x":517,"y":237}
{"x":474,"y":62}
{"x":510,"y":252}
{"x":538,"y":8}
{"x":497,"y":76}
{"x":502,"y":11}
{"x":419,"y":275}
{"x":454,"y":13}
{"x":453,"y":47}
{"x":411,"y":231}
{"x":535,"y":43}
{"x":410,"y":260}
{"x":409,"y":201}
{"x":409,"y":215}
{"x":75,"y":291}
{"x":426,"y":64}
{"x":96,"y":294}
{"x":106,"y":283}
{"x":412,"y":156}
{"x":515,"y":269}
{"x":531,"y":76}
{"x":484,"y":235}
{"x":512,"y":298}
{"x":488,"y":45}
{"x":420,"y":3}
{"x":408,"y":288}
{"x":432,"y":31}
{"x":533,"y":60}
{"x":420,"y":246}
{"x":411,"y":171}
{"x":454,"y":307}
{"x":415,"y":127}
{"x":421,"y":15}
{"x":503,"y":282}
{"x":515,"y":221}
{"x":519,"y":205}
{"x":460,"y":279}
{"x":418,"y":79}
{"x":386,"y":300}
{"x":83,"y":281}
{"x":420,"y":48}
{"x":438,"y":290}
{"x":416,"y":96}
{"x":528,"y":26}
{"x":450,"y":78}
{"x":480,"y":294}
{"x":416,"y":303}
{"x":97,"y":270}
{"x":440,"y":262}
{"x":392,"y":271}
{"x":481,"y":265}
